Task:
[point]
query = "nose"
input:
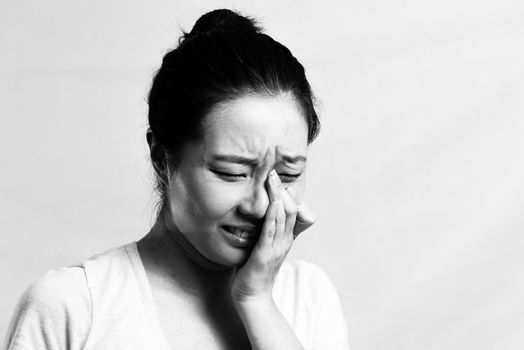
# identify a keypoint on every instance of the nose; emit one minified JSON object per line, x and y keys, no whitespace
{"x":255,"y":203}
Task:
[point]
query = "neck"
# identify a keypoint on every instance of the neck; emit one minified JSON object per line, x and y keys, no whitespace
{"x":171,"y":262}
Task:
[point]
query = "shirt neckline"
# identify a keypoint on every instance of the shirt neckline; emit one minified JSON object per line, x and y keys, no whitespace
{"x":156,"y":329}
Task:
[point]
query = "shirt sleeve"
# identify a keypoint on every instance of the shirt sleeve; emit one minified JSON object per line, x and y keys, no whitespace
{"x":331,"y":329}
{"x":53,"y":313}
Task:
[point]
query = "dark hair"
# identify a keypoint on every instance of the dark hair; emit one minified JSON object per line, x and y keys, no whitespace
{"x":225,"y":56}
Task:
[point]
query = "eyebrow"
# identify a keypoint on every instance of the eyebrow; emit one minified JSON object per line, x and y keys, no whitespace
{"x":254,"y":161}
{"x":234,"y":159}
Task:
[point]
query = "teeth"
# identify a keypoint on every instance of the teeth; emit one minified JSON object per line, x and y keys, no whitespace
{"x":242,"y":233}
{"x":247,"y":234}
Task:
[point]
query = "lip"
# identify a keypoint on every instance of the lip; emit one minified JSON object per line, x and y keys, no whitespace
{"x":241,"y":227}
{"x":241,"y":242}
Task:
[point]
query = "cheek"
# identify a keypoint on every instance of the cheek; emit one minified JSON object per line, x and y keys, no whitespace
{"x":205,"y":200}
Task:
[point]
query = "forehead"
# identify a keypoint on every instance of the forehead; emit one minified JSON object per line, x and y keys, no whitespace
{"x":256,"y":126}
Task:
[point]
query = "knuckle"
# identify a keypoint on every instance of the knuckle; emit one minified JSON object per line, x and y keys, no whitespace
{"x":264,"y":261}
{"x":281,"y":218}
{"x":281,"y":213}
{"x":292,"y":210}
{"x":287,"y":246}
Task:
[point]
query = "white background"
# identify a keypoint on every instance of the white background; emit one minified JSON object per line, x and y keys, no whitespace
{"x":417,"y":177}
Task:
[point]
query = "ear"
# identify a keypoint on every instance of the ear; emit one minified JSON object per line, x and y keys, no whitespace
{"x":157,"y":154}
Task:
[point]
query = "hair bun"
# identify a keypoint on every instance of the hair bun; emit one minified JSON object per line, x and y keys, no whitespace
{"x":223,"y":19}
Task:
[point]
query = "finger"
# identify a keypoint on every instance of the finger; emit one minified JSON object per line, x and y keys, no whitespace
{"x":294,"y":194}
{"x":305,"y":216}
{"x":290,"y":208}
{"x":273,"y":186}
{"x":268,"y":228}
{"x":274,"y":193}
{"x":280,"y":223}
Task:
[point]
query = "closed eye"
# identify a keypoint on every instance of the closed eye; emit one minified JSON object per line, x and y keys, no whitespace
{"x":289,"y":177}
{"x":231,"y":177}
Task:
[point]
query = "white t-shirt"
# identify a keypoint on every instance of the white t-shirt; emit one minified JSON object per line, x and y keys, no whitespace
{"x":106,"y":303}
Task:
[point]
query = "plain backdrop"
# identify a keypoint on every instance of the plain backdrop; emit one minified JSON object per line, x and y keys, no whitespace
{"x":417,"y":177}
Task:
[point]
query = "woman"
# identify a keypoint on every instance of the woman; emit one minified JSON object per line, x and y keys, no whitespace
{"x":230,"y":120}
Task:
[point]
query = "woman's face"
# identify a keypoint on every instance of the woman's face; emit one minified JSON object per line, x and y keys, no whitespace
{"x":218,"y":188}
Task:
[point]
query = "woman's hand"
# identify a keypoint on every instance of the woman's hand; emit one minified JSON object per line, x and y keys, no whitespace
{"x":252,"y":288}
{"x":285,"y":218}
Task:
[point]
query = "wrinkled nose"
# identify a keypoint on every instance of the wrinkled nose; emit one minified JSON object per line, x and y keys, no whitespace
{"x":255,"y":203}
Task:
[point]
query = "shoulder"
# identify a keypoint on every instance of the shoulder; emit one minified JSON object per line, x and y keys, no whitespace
{"x":310,"y":302}
{"x":113,"y":272}
{"x":58,"y":289}
{"x":307,"y":284}
{"x":304,"y":276}
{"x":68,"y":288}
{"x":54,"y":309}
{"x":58,"y":310}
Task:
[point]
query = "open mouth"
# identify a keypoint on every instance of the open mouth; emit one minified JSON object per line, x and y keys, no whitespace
{"x":241,"y":235}
{"x":240,"y":232}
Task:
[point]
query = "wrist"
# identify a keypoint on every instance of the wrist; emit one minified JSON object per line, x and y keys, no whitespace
{"x":254,"y":303}
{"x":265,"y":325}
